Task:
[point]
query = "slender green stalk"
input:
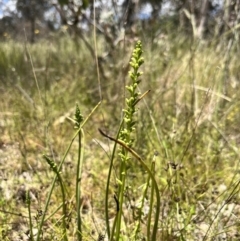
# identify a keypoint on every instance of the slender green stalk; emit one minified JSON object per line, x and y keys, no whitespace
{"x":50,"y":193}
{"x":59,"y":169}
{"x":78,"y":188}
{"x":121,"y":184}
{"x":154,"y":182}
{"x":30,"y":215}
{"x":108,"y":186}
{"x":150,"y":204}
{"x":64,"y":207}
{"x":54,"y":212}
{"x":125,"y":134}
{"x":113,"y":227}
{"x":78,"y":119}
{"x":139,"y":218}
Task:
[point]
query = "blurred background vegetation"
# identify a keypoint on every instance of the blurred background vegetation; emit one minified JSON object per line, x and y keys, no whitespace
{"x":58,"y":52}
{"x":42,"y":18}
{"x":190,"y":46}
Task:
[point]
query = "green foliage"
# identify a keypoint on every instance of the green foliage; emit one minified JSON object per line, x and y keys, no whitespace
{"x":181,"y":139}
{"x":32,"y":9}
{"x":127,"y":129}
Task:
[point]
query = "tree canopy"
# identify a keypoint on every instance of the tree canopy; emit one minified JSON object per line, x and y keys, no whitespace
{"x":198,"y":19}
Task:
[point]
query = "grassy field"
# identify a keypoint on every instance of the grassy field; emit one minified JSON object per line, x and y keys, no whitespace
{"x":64,"y":183}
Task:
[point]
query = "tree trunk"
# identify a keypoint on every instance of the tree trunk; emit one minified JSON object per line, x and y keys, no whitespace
{"x":203,"y":18}
{"x":32,"y":22}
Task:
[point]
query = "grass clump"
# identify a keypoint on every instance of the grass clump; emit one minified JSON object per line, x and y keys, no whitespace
{"x":170,"y":172}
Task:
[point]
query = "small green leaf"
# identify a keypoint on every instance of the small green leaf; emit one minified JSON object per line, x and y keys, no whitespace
{"x":118,"y":181}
